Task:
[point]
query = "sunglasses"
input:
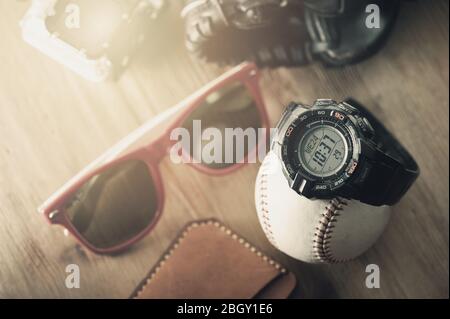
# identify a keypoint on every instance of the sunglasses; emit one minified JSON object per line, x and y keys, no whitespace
{"x":118,"y":199}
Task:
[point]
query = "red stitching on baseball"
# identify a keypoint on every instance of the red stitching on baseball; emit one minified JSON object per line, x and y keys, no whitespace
{"x":264,"y":206}
{"x":323,"y":235}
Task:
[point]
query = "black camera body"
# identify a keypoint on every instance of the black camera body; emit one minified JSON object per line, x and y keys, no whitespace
{"x":287,"y":32}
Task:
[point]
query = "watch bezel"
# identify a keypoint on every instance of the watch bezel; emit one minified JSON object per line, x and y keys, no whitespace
{"x":303,"y":181}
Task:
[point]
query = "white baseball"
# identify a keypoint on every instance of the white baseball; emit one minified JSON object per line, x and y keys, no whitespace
{"x":314,"y":231}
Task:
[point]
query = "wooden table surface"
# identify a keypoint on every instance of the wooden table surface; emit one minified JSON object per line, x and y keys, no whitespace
{"x":53,"y":123}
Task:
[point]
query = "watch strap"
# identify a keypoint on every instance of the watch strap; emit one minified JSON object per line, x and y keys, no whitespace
{"x":208,"y":260}
{"x":391,"y":169}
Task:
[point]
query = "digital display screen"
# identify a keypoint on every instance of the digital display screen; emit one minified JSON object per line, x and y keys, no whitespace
{"x":322,"y":151}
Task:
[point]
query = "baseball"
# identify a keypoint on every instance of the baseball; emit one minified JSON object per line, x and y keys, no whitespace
{"x":314,"y":231}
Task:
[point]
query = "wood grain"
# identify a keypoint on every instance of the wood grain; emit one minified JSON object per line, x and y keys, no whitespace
{"x":53,"y":123}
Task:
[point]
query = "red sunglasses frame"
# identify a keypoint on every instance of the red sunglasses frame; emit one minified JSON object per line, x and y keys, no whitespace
{"x":149,"y":145}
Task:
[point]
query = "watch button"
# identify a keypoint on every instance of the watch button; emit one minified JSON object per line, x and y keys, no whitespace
{"x":350,"y":109}
{"x":323,"y":103}
{"x":365,"y":127}
{"x":370,"y":127}
{"x":302,"y":186}
{"x":275,"y":146}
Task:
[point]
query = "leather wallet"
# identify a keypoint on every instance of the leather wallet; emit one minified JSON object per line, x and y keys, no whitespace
{"x":210,"y":261}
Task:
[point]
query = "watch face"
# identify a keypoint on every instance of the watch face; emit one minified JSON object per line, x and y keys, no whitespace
{"x":320,"y":151}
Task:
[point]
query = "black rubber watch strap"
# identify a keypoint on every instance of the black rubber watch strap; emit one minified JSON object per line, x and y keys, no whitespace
{"x":390,"y":171}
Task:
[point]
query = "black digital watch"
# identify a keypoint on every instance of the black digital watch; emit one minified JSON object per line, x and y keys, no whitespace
{"x":340,"y":149}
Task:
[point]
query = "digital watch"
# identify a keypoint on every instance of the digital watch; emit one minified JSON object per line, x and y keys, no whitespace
{"x":340,"y":149}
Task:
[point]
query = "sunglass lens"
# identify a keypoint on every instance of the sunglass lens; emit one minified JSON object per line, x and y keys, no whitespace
{"x":114,"y":206}
{"x":224,"y":128}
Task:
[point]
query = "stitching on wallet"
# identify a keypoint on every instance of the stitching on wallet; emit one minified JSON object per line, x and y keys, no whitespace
{"x":264,"y":205}
{"x":178,"y":242}
{"x":324,"y":231}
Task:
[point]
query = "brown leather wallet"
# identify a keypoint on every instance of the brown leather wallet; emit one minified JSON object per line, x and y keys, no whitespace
{"x":209,"y":261}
